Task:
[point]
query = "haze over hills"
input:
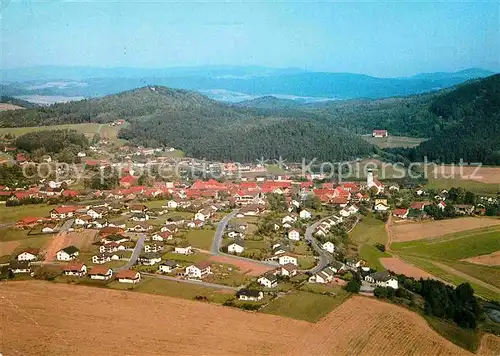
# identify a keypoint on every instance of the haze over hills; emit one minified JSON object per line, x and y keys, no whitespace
{"x":235,"y":83}
{"x":466,"y":117}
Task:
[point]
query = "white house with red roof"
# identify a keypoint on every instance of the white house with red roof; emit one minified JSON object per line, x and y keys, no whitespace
{"x":75,"y":269}
{"x":128,"y":276}
{"x":401,"y":213}
{"x":380,"y":133}
{"x":29,"y":254}
{"x":63,"y":212}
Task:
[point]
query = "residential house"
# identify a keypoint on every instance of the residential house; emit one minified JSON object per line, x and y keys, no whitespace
{"x":337,"y":266}
{"x":236,"y":247}
{"x":291,"y":219}
{"x":288,"y":270}
{"x":324,"y":276}
{"x":418,"y":205}
{"x":82,"y":220}
{"x":382,"y":279}
{"x":400,"y":213}
{"x":128,"y":276}
{"x":354,"y":262}
{"x":75,"y":269}
{"x":141,"y":226}
{"x":249,"y":295}
{"x":105,"y":257}
{"x":328,"y":246}
{"x":464,"y":209}
{"x":29,"y":254}
{"x":67,"y":254}
{"x":115,"y":238}
{"x":294,"y":235}
{"x":101,"y":273}
{"x":149,"y":259}
{"x":162,"y":236}
{"x":63,"y":212}
{"x":168,"y":266}
{"x":20,"y":267}
{"x":49,"y":228}
{"x":287,"y":258}
{"x":154,"y":247}
{"x":305,"y":214}
{"x":183,"y":249}
{"x":198,"y":270}
{"x":268,"y":280}
{"x":441,"y":205}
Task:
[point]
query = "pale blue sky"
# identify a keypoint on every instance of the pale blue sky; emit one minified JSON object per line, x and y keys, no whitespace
{"x":376,"y":38}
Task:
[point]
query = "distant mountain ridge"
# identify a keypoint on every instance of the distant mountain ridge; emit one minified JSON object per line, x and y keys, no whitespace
{"x":251,"y":81}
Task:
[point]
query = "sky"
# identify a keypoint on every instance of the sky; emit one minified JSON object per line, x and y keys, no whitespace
{"x":384,"y":39}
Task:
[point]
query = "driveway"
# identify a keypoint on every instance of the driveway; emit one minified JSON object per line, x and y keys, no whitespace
{"x":135,"y":254}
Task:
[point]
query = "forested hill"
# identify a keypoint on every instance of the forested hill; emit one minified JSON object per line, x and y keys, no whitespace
{"x":127,"y":105}
{"x":18,"y":102}
{"x":472,"y":115}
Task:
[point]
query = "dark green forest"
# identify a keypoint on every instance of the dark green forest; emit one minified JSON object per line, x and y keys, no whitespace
{"x":461,"y":122}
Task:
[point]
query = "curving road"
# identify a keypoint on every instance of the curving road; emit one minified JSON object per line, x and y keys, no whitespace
{"x":325,"y":258}
{"x":135,"y":254}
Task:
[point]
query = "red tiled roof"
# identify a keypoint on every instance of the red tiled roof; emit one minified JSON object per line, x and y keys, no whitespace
{"x":74,"y":266}
{"x":400,"y":211}
{"x":65,"y":209}
{"x":127,"y":274}
{"x":101,"y":270}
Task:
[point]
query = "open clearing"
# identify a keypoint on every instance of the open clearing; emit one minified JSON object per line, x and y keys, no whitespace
{"x":393,"y":141}
{"x":32,"y":323}
{"x":424,"y":230}
{"x":398,"y":266}
{"x":7,"y":106}
{"x":492,"y":259}
{"x":246,"y":267}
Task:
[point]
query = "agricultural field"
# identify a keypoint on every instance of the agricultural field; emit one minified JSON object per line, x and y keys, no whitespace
{"x":246,"y":267}
{"x":393,"y":141}
{"x":491,"y":259}
{"x":478,"y":187}
{"x":408,"y":231}
{"x":398,"y":266}
{"x":42,"y":329}
{"x":484,"y":174}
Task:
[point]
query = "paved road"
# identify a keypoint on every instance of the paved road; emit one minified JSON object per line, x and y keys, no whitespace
{"x":325,"y":258}
{"x":190,"y":281}
{"x":219,"y":232}
{"x":217,"y":242}
{"x":67,"y":225}
{"x":135,"y":254}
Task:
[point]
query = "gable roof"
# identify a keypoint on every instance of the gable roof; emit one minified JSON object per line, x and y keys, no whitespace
{"x":70,"y":250}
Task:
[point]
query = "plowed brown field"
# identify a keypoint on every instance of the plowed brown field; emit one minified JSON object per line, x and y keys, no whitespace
{"x":425,"y":230}
{"x":41,"y":318}
{"x":400,"y":267}
{"x":246,"y":267}
{"x":493,"y":259}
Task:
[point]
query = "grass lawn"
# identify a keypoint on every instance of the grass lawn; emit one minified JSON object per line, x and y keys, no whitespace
{"x":200,"y":238}
{"x":12,"y":234}
{"x":181,"y":290}
{"x":183,"y":214}
{"x":304,"y":305}
{"x":256,"y":244}
{"x":302,"y":249}
{"x":306,"y":262}
{"x":88,"y":129}
{"x":372,"y":255}
{"x":11,"y":214}
{"x":465,"y":338}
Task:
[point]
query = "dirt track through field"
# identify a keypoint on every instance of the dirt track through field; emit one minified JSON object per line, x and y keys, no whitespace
{"x":42,"y":318}
{"x":425,"y":230}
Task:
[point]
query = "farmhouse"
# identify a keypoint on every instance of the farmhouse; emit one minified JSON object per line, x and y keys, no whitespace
{"x":168,"y":266}
{"x":198,"y":270}
{"x":30,"y":254}
{"x":67,"y":254}
{"x":128,"y":276}
{"x":249,"y":295}
{"x":20,"y":267}
{"x":268,"y":280}
{"x":382,"y":279}
{"x":75,"y":269}
{"x":236,"y":247}
{"x":379,"y":133}
{"x":101,"y":273}
{"x":328,"y":246}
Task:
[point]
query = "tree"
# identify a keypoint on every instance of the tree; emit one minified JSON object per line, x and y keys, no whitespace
{"x":353,"y":286}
